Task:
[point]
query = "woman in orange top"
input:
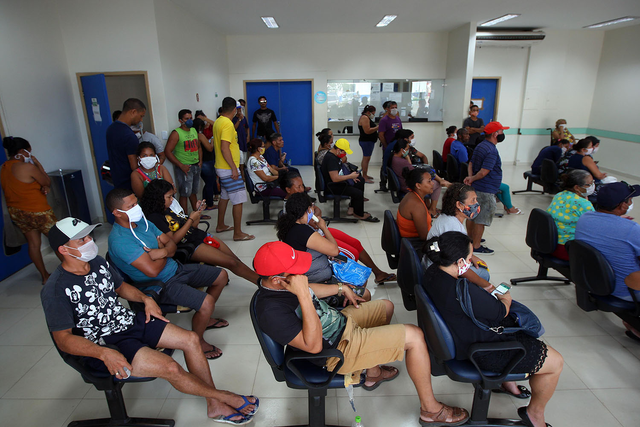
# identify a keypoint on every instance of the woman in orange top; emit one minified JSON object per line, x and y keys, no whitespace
{"x":414,"y":219}
{"x":25,"y":185}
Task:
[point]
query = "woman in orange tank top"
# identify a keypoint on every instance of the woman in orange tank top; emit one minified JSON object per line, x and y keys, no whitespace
{"x":25,"y":185}
{"x":414,"y":219}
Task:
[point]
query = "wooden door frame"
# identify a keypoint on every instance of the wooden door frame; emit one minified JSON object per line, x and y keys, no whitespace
{"x":498,"y":85}
{"x":86,"y":119}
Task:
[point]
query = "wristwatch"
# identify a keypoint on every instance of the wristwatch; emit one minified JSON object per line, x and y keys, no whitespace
{"x":339,"y":289}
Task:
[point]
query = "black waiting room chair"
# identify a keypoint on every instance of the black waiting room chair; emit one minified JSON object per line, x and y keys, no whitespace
{"x":453,"y":169}
{"x":438,"y":165}
{"x":531,"y":179}
{"x":256,"y":198}
{"x":410,"y":271}
{"x":390,"y":239}
{"x":394,"y":186}
{"x":323,"y":196}
{"x":542,"y":238}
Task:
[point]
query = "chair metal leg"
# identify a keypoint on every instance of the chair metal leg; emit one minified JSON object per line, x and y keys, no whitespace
{"x":266,"y":216}
{"x":529,"y":188}
{"x":336,"y":213}
{"x":480,"y":410}
{"x":542,"y":275}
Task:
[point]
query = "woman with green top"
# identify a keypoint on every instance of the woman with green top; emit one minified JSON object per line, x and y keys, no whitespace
{"x":148,"y":170}
{"x":568,"y":205}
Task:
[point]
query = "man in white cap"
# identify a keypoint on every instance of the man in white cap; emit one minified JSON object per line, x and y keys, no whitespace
{"x":84,"y":315}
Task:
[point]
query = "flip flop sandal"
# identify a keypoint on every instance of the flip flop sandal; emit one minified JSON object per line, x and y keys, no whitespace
{"x":447,"y":416}
{"x":247,"y":402}
{"x":390,"y":278}
{"x":632,"y":335}
{"x":205,"y":217}
{"x":229,"y":228}
{"x":210,"y":208}
{"x":227,"y":420}
{"x":524,"y":392}
{"x":245,"y":238}
{"x":206,"y":353}
{"x":380,"y":378}
{"x":522,"y":411}
{"x":370,"y":218}
{"x":218,"y":321}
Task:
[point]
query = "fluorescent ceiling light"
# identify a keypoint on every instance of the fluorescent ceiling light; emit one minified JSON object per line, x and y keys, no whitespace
{"x":270,"y":21}
{"x":613,"y":22}
{"x":500,"y":19}
{"x":386,"y":20}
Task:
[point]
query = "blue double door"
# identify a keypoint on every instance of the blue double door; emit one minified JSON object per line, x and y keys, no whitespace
{"x":292,"y":103}
{"x":487,"y":91}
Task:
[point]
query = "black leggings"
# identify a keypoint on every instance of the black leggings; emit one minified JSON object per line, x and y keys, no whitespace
{"x":356,"y":192}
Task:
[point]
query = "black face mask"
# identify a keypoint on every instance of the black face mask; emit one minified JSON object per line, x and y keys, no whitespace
{"x":500,"y":137}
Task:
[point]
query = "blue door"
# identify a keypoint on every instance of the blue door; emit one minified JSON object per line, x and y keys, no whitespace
{"x":96,"y":101}
{"x":292,"y":103}
{"x":486,"y":91}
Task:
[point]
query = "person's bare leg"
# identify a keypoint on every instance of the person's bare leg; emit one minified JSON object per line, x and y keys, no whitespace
{"x":365,"y":167}
{"x":435,"y":196}
{"x":183,"y":202}
{"x":202,"y":318}
{"x":543,"y":384}
{"x":238,"y":234}
{"x":219,"y":257}
{"x":222,"y":210}
{"x":193,"y":199}
{"x":366,"y":259}
{"x":34,"y":241}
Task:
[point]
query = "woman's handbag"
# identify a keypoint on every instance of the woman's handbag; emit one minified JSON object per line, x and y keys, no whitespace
{"x":528,"y":321}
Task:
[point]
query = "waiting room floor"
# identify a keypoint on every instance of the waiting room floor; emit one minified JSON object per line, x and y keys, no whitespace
{"x":600,"y":384}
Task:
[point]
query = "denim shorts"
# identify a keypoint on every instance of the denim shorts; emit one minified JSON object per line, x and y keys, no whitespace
{"x":188,"y":183}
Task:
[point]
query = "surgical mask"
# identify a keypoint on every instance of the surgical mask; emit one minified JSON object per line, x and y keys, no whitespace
{"x":175,"y":206}
{"x":309,"y":216}
{"x":412,"y":143}
{"x":405,"y":154}
{"x":564,"y":149}
{"x":562,"y":126}
{"x":261,"y":150}
{"x":188,"y":123}
{"x":589,"y":151}
{"x":595,"y":150}
{"x":148,"y":162}
{"x":471,"y":211}
{"x":500,"y":137}
{"x":630,"y":208}
{"x":394,"y":111}
{"x":88,"y":251}
{"x":135,"y":214}
{"x":464,"y":267}
{"x":590,"y":190}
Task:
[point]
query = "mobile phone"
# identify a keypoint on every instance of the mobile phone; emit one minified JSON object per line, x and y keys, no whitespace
{"x":501,"y":289}
{"x":203,"y":205}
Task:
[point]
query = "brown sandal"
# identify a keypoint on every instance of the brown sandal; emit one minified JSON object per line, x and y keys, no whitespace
{"x":381,"y":378}
{"x":447,"y":416}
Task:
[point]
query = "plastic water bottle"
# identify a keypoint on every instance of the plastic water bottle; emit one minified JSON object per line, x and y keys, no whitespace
{"x":357,"y":422}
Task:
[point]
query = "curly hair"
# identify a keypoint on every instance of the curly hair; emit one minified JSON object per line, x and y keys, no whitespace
{"x":143,"y":145}
{"x":152,"y":200}
{"x":297,"y":205}
{"x":458,"y":192}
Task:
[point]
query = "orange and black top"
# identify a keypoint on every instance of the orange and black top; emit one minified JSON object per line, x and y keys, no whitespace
{"x":406,"y":226}
{"x":21,"y":195}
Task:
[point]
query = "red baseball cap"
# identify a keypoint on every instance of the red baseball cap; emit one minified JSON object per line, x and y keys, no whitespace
{"x":492,"y":127}
{"x":278,"y":257}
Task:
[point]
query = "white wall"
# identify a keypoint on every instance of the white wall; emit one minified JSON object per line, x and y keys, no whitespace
{"x":35,"y":90}
{"x":615,"y":102}
{"x":340,"y":56}
{"x":460,"y":61}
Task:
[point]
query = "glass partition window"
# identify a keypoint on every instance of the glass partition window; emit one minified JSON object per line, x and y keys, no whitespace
{"x":418,"y":100}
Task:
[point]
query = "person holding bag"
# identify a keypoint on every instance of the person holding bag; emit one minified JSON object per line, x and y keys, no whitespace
{"x":451,"y":255}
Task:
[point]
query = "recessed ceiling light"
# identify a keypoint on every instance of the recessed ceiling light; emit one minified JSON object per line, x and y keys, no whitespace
{"x":612,"y":22}
{"x":386,"y":20}
{"x":270,"y":21}
{"x":499,"y":20}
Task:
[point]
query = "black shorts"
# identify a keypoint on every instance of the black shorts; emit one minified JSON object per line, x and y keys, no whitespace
{"x":128,"y":342}
{"x":182,"y":288}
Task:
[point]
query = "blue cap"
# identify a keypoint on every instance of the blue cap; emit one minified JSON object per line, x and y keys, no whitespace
{"x":611,"y":195}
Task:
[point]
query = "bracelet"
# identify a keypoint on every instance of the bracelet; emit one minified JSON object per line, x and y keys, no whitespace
{"x":189,"y":219}
{"x":340,"y":289}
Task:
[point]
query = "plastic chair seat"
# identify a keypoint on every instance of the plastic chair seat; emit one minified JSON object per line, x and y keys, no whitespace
{"x":464,"y":371}
{"x":615,"y":303}
{"x":312,"y":373}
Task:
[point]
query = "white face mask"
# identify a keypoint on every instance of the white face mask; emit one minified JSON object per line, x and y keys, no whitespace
{"x":630,"y":208}
{"x":412,"y":143}
{"x":564,"y":149}
{"x":562,"y":126}
{"x":135,"y":214}
{"x":394,"y":111}
{"x":464,"y":267}
{"x":148,"y":162}
{"x":595,"y":150}
{"x":175,"y":206}
{"x":589,"y":151}
{"x":590,"y":189}
{"x":88,"y":251}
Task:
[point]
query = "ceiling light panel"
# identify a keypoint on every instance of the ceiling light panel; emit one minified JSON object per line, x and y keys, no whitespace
{"x":270,"y":21}
{"x":386,"y":20}
{"x":499,"y":19}
{"x":613,"y":22}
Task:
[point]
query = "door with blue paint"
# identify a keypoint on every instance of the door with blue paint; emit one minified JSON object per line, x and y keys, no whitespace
{"x":292,"y":103}
{"x":96,"y":101}
{"x":485,"y":91}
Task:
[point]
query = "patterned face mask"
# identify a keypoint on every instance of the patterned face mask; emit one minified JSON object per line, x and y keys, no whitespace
{"x":471,"y":211}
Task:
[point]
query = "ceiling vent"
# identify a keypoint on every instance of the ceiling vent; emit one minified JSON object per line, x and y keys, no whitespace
{"x":508,"y":38}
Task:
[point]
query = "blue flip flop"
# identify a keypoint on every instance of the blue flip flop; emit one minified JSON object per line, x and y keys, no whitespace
{"x":247,"y":402}
{"x":227,"y":420}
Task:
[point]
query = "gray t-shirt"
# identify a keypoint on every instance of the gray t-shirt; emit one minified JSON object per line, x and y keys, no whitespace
{"x":87,"y":304}
{"x":441,"y":225}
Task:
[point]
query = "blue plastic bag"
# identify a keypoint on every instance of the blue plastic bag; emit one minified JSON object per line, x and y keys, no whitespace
{"x":351,"y":272}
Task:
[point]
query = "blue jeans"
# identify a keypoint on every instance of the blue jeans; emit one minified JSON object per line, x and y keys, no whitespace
{"x":208,"y":174}
{"x":482,"y":272}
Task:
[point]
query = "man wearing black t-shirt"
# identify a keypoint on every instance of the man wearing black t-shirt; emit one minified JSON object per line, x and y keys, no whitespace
{"x":263,"y":118}
{"x":122,"y":143}
{"x":290,"y":311}
{"x":337,"y":183}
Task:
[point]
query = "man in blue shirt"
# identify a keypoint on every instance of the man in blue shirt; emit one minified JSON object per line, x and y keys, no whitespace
{"x":553,"y":152}
{"x":458,"y":149}
{"x":144,"y":253}
{"x":616,"y":237}
{"x":485,"y":176}
{"x":122,"y":142}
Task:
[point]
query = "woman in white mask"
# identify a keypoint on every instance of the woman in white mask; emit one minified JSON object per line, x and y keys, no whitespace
{"x":582,"y":160}
{"x":25,"y":185}
{"x":561,"y":132}
{"x":568,"y":205}
{"x":148,"y":170}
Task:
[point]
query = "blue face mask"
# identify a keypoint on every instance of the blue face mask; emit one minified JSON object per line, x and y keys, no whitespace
{"x":188,"y":123}
{"x":309,"y":216}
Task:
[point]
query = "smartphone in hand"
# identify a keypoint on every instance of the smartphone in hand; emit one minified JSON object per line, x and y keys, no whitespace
{"x":501,"y":289}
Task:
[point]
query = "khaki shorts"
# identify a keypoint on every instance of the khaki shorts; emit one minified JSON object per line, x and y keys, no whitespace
{"x":28,"y":221}
{"x":367,"y":340}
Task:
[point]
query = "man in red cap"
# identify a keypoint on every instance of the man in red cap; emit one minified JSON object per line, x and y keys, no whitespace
{"x":485,"y":176}
{"x":291,"y":311}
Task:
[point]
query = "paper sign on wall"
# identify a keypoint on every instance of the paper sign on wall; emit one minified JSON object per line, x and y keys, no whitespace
{"x":96,"y":110}
{"x":387,"y":87}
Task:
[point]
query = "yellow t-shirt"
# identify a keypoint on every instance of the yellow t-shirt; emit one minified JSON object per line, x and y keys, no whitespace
{"x":224,"y":130}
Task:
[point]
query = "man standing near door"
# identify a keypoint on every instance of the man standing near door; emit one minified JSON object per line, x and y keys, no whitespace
{"x":263,"y":118}
{"x":225,"y":144}
{"x":122,"y":143}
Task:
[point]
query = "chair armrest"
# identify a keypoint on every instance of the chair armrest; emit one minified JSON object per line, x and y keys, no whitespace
{"x":184,"y":252}
{"x":206,"y":230}
{"x":498,"y":346}
{"x":292,"y":355}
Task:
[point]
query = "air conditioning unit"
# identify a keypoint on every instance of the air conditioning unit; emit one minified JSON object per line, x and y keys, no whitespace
{"x":508,"y":38}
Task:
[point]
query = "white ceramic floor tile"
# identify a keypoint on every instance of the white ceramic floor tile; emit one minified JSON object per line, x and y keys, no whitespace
{"x":562,"y":318}
{"x":577,"y":408}
{"x":36,"y":412}
{"x":623,"y":404}
{"x":31,"y":332}
{"x":97,"y":408}
{"x":10,"y":317}
{"x":15,"y":361}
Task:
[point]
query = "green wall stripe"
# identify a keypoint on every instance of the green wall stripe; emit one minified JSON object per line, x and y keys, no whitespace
{"x":621,"y":136}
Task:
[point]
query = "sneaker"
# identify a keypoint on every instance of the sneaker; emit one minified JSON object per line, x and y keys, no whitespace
{"x":482,"y":240}
{"x":483,"y":250}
